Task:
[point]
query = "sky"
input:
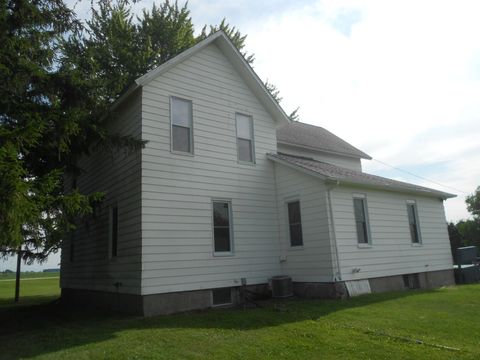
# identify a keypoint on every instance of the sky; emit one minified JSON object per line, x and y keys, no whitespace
{"x":400,"y":80}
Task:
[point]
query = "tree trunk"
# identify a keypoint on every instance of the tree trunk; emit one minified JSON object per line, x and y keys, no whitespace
{"x":17,"y":275}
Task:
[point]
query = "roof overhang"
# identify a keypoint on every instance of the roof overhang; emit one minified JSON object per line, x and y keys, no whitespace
{"x":365,"y":156}
{"x":222,"y":41}
{"x":345,"y":182}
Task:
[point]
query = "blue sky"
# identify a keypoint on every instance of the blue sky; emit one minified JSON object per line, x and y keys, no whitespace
{"x":397,"y":79}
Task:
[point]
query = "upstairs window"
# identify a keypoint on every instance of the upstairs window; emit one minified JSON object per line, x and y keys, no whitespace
{"x":245,"y":138}
{"x":361,"y":220}
{"x":181,"y":118}
{"x":295,"y":223}
{"x":413,"y":222}
{"x":222,"y":227}
{"x":113,"y":231}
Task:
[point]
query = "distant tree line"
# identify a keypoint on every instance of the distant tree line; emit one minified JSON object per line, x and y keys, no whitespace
{"x":467,"y":232}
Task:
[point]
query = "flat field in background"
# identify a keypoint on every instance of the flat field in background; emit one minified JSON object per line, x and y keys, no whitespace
{"x":438,"y":324}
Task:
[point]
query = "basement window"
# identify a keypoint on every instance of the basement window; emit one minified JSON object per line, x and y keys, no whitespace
{"x":222,"y":296}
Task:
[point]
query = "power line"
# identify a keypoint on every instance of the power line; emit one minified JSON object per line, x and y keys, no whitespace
{"x":421,"y":177}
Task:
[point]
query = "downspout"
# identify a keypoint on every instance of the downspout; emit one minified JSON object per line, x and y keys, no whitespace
{"x":333,"y":239}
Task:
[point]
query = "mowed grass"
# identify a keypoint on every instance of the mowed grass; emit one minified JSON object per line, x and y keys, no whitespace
{"x":29,"y":275}
{"x":439,"y":324}
{"x":35,"y":288}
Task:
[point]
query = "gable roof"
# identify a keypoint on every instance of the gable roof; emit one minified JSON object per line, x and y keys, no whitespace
{"x":340,"y":175}
{"x":316,"y":138}
{"x":226,"y":46}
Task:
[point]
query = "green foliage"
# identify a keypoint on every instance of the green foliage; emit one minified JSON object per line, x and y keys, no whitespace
{"x":59,"y":78}
{"x":467,"y":232}
{"x":473,"y":203}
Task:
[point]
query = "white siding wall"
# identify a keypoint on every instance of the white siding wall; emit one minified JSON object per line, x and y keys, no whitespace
{"x":177,"y":190}
{"x":392,"y":252}
{"x":118,"y":176}
{"x":313,"y":261}
{"x":343,"y":161}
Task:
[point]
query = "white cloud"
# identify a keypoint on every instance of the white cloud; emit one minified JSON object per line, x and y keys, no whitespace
{"x":402,"y":83}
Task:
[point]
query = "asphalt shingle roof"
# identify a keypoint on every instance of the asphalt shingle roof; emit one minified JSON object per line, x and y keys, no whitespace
{"x":317,"y":138}
{"x":344,"y":175}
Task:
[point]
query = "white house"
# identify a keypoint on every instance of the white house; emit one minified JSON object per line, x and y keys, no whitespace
{"x":229,"y":192}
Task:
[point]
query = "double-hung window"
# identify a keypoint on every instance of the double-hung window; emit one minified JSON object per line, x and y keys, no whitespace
{"x":413,"y":222}
{"x":295,"y":223}
{"x":245,"y":143}
{"x":222,"y":227}
{"x":182,"y":125}
{"x":361,"y":220}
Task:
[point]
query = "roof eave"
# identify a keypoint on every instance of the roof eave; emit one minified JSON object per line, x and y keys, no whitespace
{"x":431,"y":193}
{"x":362,"y":156}
{"x":296,"y":167}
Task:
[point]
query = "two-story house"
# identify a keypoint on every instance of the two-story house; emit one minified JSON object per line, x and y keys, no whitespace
{"x":229,"y":192}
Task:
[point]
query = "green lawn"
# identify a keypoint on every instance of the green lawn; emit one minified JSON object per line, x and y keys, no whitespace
{"x":406,"y":325}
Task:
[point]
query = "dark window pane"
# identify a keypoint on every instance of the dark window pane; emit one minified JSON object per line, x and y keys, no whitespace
{"x":412,"y":219}
{"x":411,"y":213}
{"x":359,"y":209}
{"x":114,"y":230}
{"x":222,"y":238}
{"x":222,"y":296}
{"x":181,"y":112}
{"x":294,"y":212}
{"x":220,"y":214}
{"x":414,"y":233}
{"x":180,"y":138}
{"x":361,"y":220}
{"x":362,"y":232}
{"x":245,"y":150}
{"x":296,"y":238}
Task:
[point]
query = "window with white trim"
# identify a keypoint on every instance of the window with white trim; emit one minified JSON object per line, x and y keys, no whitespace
{"x":182,"y":125}
{"x":222,"y":227}
{"x":413,"y":222}
{"x":245,"y":148}
{"x":295,"y":223}
{"x":361,"y":220}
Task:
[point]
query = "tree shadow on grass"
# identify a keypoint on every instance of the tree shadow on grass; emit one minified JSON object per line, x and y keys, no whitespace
{"x":42,"y":329}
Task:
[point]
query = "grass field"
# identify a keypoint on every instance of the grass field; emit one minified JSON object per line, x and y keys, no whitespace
{"x":440,"y":324}
{"x":28,"y":275}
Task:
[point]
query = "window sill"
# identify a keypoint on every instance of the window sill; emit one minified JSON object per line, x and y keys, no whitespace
{"x":249,"y":163}
{"x":174,"y":152}
{"x":294,"y":248}
{"x":223,"y":254}
{"x":364,"y":246}
{"x":417,"y":244}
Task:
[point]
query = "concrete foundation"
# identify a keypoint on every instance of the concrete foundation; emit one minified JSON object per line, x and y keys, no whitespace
{"x":162,"y":304}
{"x":320,"y":290}
{"x":426,"y":280}
{"x":157,"y":304}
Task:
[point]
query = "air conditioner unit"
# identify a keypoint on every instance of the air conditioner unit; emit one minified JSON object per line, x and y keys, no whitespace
{"x":282,"y":286}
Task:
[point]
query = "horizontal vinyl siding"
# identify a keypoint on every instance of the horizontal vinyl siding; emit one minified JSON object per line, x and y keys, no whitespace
{"x":338,"y":160}
{"x":313,"y":261}
{"x":118,"y":176}
{"x":177,"y":190}
{"x":392,"y":252}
